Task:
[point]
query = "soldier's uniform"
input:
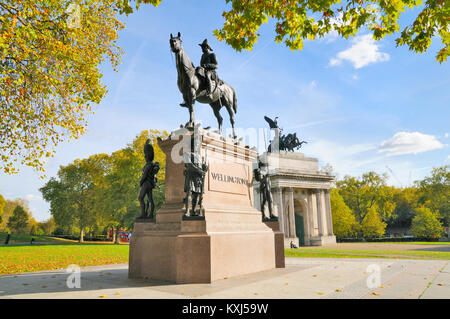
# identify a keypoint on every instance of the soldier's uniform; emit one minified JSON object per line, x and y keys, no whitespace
{"x":150,"y":170}
{"x":264,"y":189}
{"x":195,"y":178}
{"x":148,"y":180}
{"x":209,"y":62}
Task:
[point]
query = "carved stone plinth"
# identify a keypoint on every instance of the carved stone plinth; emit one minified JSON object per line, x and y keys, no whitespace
{"x":231,"y":240}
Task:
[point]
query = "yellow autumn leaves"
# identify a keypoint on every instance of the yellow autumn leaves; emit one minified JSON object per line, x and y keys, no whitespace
{"x":49,"y":74}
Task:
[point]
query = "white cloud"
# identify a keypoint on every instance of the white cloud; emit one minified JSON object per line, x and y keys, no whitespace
{"x":409,"y":143}
{"x":363,"y":51}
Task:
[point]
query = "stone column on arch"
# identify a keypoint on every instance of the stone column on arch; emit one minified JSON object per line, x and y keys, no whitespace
{"x":290,"y":192}
{"x":311,"y":213}
{"x":319,"y":211}
{"x":329,"y":214}
{"x":307,"y":224}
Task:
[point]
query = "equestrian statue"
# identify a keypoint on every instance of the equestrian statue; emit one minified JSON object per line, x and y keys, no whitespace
{"x":202,"y":83}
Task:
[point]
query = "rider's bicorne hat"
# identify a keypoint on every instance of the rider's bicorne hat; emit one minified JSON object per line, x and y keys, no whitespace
{"x":205,"y":44}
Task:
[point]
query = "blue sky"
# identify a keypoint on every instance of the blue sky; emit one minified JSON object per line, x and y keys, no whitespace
{"x":361,"y":105}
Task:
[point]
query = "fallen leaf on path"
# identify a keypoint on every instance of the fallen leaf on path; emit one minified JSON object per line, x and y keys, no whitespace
{"x":376,"y":293}
{"x":118,"y":293}
{"x":320,"y":293}
{"x":102,"y":296}
{"x":440,"y":284}
{"x":44,"y":286}
{"x":338,"y":290}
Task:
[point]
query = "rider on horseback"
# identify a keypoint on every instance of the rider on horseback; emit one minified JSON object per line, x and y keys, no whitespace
{"x":210,"y":64}
{"x":207,"y":69}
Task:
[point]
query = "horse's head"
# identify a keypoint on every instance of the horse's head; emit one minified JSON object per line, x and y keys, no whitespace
{"x":175,"y":42}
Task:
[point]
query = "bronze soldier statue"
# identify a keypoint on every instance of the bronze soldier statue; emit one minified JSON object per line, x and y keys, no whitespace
{"x":148,"y":182}
{"x":264,"y":189}
{"x":195,"y":170}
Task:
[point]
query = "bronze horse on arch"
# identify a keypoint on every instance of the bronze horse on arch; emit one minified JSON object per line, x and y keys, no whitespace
{"x":193,"y":85}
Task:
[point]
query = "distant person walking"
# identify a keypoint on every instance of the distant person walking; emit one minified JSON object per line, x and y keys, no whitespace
{"x":7,"y":239}
{"x":293,"y":245}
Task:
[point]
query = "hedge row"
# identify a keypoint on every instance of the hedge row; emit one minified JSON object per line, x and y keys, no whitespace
{"x":86,"y":238}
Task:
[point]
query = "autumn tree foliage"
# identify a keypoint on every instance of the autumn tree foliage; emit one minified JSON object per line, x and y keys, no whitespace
{"x":18,"y":222}
{"x":2,"y":207}
{"x":372,"y":225}
{"x":50,"y":53}
{"x":434,"y":192}
{"x":74,"y":197}
{"x":375,"y":206}
{"x":362,"y":192}
{"x":426,"y":224}
{"x":298,"y":20}
{"x":344,"y":221}
{"x":9,"y":207}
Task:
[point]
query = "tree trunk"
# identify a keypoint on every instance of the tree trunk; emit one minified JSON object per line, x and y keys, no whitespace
{"x":113,"y":232}
{"x":81,"y":236}
{"x":117,"y":239}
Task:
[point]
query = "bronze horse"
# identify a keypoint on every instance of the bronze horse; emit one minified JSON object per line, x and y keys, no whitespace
{"x":288,"y":143}
{"x":193,"y":87}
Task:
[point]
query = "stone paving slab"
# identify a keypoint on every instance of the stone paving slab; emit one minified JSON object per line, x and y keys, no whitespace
{"x":302,"y":278}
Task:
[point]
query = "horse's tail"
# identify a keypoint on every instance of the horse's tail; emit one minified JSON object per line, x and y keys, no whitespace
{"x":234,"y":100}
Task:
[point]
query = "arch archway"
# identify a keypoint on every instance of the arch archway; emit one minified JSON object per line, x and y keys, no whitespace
{"x":300,"y":220}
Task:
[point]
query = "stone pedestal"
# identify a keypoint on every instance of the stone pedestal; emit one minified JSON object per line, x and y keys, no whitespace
{"x":230,"y":240}
{"x":279,"y":243}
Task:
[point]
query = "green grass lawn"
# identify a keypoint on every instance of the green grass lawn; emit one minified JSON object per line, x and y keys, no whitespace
{"x":17,"y":238}
{"x":379,"y":253}
{"x":18,"y":259}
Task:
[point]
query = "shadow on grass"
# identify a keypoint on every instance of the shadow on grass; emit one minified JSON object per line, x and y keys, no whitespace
{"x":443,"y":248}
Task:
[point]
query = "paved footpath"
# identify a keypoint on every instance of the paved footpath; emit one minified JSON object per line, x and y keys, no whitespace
{"x":302,"y":278}
{"x":384,"y":246}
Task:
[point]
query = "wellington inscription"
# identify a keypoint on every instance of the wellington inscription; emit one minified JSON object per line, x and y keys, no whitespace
{"x":229,"y":178}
